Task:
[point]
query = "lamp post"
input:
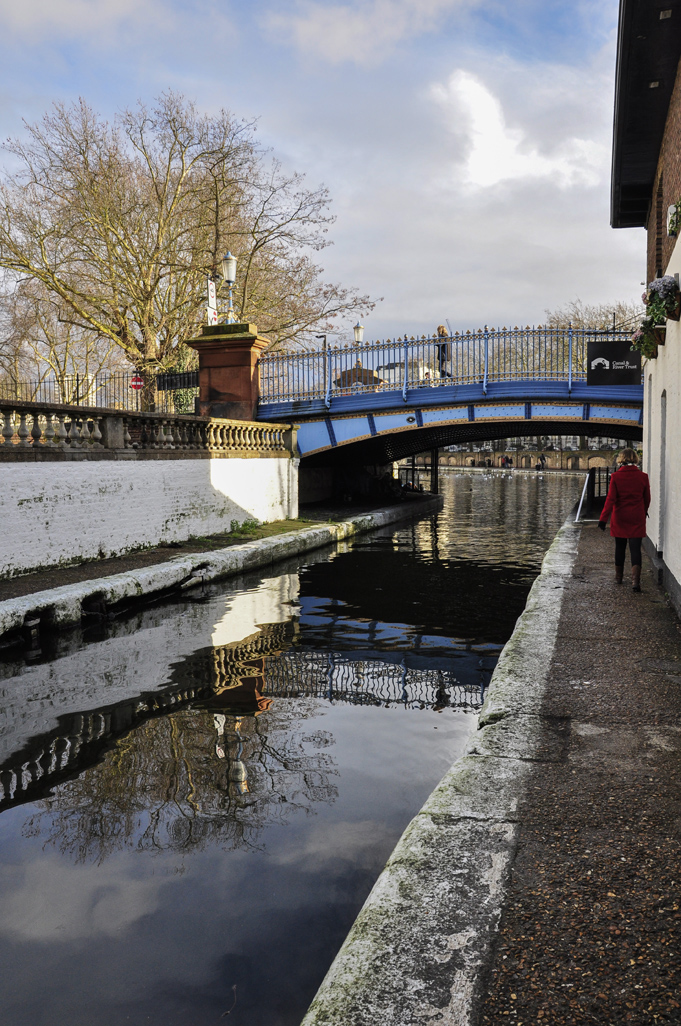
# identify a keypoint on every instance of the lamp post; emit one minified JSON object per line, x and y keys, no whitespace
{"x":359,"y":333}
{"x":229,"y":277}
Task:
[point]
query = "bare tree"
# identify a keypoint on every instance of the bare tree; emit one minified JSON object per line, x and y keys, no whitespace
{"x":50,"y":347}
{"x":121,"y":223}
{"x":620,"y":315}
{"x":14,"y":359}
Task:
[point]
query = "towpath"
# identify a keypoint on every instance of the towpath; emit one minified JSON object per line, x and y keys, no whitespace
{"x":591,"y":929}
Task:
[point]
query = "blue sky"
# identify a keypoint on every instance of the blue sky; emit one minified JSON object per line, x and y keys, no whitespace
{"x":466,"y":145}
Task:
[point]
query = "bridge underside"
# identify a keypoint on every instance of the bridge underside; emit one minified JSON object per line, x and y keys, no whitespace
{"x":383,"y":437}
{"x":377,"y":451}
{"x":368,"y":428}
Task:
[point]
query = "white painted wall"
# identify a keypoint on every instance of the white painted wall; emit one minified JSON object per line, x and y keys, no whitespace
{"x":56,"y":513}
{"x":664,"y":375}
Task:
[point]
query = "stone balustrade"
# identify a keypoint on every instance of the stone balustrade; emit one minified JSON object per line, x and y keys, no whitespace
{"x":37,"y":432}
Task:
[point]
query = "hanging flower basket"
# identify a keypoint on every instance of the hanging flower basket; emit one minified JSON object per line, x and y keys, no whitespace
{"x":646,"y":339}
{"x":663,"y":299}
{"x":660,"y":334}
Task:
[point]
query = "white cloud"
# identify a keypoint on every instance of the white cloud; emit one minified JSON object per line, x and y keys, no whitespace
{"x":494,"y":227}
{"x":48,"y":900}
{"x":77,"y":17}
{"x":362,"y":32}
{"x":497,"y":153}
{"x":362,"y":843}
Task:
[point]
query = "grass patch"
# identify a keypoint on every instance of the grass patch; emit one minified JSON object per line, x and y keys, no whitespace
{"x":249,"y":530}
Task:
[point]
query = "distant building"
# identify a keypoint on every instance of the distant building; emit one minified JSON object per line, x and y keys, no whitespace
{"x":646,"y":183}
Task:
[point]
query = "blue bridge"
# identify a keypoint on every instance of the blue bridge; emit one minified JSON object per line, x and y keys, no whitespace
{"x":378,"y":402}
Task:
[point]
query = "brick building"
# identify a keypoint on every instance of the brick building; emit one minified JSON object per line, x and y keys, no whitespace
{"x":646,"y":183}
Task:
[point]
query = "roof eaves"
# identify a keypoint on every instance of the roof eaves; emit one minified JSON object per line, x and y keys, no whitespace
{"x":648,"y":51}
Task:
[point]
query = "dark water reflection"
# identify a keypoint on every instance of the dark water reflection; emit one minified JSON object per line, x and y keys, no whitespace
{"x":203,"y":797}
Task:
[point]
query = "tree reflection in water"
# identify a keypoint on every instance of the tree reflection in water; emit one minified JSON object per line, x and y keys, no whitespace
{"x":218,"y":771}
{"x":217,"y":755}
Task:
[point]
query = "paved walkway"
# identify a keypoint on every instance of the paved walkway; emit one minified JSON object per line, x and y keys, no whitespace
{"x":591,"y":931}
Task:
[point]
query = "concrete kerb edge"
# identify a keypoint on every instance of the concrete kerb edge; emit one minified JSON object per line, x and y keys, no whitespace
{"x":62,"y":607}
{"x":421,"y":946}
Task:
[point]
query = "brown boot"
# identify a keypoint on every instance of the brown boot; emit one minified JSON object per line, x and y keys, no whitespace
{"x":636,"y":578}
{"x":619,"y":573}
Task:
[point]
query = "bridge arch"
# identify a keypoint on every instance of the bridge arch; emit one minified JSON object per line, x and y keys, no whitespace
{"x":319,"y":445}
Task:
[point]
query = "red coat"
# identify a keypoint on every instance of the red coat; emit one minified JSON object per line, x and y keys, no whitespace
{"x":628,"y":500}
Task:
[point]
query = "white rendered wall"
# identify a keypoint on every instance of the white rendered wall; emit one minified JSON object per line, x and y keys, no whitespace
{"x":664,"y":375}
{"x":53,"y":514}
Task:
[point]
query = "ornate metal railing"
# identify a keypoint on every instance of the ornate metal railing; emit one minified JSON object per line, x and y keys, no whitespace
{"x":170,"y":393}
{"x":465,"y":358}
{"x":342,"y":677}
{"x":35,"y":431}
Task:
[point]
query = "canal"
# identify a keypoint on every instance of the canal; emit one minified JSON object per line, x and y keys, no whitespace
{"x":197,"y":797}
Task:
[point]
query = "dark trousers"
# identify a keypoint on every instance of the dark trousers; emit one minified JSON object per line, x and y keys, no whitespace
{"x":634,"y":550}
{"x":442,"y":360}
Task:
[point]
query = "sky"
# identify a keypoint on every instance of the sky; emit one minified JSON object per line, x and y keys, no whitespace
{"x":466,"y":145}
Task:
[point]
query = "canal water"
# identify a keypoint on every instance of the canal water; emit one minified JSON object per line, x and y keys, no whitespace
{"x":198,"y":797}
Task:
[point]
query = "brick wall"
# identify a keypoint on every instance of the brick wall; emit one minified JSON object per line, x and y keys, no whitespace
{"x":667,"y":189}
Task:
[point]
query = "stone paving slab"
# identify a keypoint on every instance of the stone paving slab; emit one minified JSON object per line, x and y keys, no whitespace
{"x":525,"y":738}
{"x":479,"y":787}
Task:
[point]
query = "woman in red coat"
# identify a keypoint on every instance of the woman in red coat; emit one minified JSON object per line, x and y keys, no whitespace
{"x":628,"y":500}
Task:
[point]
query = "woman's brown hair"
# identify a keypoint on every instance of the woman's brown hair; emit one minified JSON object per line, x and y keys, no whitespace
{"x":628,"y":456}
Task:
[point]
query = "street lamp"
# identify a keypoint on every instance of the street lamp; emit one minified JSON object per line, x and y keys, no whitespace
{"x":229,"y":276}
{"x":359,"y":333}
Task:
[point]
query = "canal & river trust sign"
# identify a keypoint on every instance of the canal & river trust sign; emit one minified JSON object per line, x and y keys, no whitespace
{"x":612,"y":363}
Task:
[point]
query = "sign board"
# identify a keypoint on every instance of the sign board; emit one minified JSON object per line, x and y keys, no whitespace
{"x":136,"y":382}
{"x":612,"y":363}
{"x":212,"y":295}
{"x":211,"y":315}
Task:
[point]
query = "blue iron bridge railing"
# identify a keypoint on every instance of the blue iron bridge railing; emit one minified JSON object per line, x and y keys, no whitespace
{"x":464,"y":358}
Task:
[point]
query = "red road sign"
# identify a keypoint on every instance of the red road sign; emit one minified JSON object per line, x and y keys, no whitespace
{"x":136,"y":382}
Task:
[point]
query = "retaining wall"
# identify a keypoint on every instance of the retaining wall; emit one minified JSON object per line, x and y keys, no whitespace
{"x":56,"y":514}
{"x":64,"y":606}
